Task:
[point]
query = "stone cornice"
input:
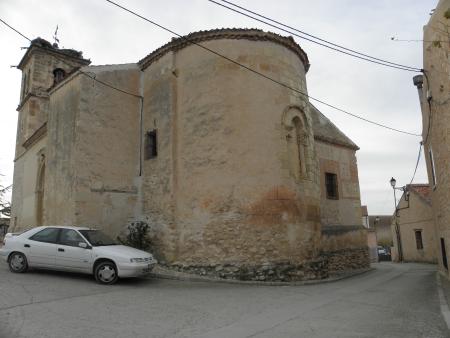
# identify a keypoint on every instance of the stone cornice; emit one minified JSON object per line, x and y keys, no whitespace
{"x":25,"y":99}
{"x":335,"y":142}
{"x":36,"y":136}
{"x":225,"y":33}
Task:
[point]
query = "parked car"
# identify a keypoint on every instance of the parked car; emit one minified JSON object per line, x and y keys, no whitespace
{"x":74,"y":249}
{"x":383,"y":254}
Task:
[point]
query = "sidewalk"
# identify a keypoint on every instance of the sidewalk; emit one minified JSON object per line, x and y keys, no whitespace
{"x":443,"y":285}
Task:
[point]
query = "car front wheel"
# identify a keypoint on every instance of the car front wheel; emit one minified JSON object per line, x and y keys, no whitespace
{"x":106,"y":273}
{"x":17,"y":262}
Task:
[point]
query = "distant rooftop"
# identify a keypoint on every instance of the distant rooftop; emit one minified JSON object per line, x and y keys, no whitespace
{"x":423,"y":190}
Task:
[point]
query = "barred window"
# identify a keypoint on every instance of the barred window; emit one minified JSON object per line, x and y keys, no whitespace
{"x":331,"y":186}
{"x":151,"y":147}
{"x":419,"y":242}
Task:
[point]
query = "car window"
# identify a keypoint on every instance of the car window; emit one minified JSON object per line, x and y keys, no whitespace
{"x":97,"y":238}
{"x":70,"y":237}
{"x":48,"y":235}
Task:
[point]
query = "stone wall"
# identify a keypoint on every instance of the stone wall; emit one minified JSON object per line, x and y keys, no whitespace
{"x":436,"y":144}
{"x":106,"y":175}
{"x":345,"y":248}
{"x":26,"y":167}
{"x":223,"y":188}
{"x":339,"y":160}
{"x":415,"y":216}
{"x":61,"y":157}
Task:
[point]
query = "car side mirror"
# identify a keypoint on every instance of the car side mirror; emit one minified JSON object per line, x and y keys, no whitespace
{"x":83,"y":245}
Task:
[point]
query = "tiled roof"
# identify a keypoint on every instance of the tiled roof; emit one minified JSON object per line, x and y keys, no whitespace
{"x":423,"y":190}
{"x":225,"y":33}
{"x":325,"y":130}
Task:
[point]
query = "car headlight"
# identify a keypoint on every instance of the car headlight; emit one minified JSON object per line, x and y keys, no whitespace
{"x":142,"y":260}
{"x":137,"y":260}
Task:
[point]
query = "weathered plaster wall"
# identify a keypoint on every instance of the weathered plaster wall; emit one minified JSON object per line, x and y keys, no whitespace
{"x":61,"y":165}
{"x":340,"y":161}
{"x":107,"y":148}
{"x":417,"y":217}
{"x":24,"y":194}
{"x":223,"y":171}
{"x":437,"y":82}
{"x":160,"y":184}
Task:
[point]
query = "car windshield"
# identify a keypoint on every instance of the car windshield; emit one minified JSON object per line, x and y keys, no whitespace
{"x":97,"y":238}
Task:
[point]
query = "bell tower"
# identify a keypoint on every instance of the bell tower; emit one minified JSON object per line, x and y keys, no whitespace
{"x":43,"y":66}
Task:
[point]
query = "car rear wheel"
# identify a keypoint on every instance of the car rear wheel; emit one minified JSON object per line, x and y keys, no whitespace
{"x":106,"y":273}
{"x":17,"y":262}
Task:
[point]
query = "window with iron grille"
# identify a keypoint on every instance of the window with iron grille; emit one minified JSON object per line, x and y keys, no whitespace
{"x":151,"y":146}
{"x":331,"y":186}
{"x":419,"y":241}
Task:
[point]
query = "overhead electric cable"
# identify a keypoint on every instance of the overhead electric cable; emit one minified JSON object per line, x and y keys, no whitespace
{"x":256,"y":72}
{"x":417,"y":163}
{"x":15,"y":30}
{"x":323,"y":43}
{"x":79,"y":70}
{"x":234,"y":62}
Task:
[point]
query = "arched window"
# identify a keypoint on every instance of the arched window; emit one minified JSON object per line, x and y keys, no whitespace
{"x":300,"y":139}
{"x":58,"y":75}
{"x":298,"y":150}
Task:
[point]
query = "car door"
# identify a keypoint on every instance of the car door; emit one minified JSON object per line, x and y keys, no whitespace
{"x":40,"y":248}
{"x":69,"y":255}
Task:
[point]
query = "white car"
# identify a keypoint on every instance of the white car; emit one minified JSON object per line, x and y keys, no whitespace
{"x":74,"y":249}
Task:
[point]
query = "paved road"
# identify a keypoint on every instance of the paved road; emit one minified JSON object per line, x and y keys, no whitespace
{"x":395,"y":300}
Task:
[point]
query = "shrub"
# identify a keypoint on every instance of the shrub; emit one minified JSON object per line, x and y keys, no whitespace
{"x":136,"y":236}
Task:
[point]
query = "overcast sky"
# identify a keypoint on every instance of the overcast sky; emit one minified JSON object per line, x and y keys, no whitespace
{"x":108,"y":35}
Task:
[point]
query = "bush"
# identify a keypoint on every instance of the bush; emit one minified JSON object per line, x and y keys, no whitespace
{"x":136,"y":236}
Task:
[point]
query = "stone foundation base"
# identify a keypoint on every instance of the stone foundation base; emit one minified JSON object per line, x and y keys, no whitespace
{"x":328,"y":263}
{"x":270,"y":272}
{"x":347,"y":259}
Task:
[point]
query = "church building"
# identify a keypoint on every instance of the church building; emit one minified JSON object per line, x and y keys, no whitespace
{"x":238,"y":176}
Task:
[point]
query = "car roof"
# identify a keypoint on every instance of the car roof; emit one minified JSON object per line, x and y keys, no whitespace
{"x":63,"y":227}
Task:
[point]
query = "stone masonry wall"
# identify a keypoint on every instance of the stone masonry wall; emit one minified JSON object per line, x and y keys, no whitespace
{"x":341,"y":161}
{"x":223,"y":189}
{"x":436,"y":84}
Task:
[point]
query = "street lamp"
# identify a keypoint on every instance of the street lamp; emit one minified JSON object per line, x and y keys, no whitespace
{"x":393,"y":182}
{"x":397,"y":228}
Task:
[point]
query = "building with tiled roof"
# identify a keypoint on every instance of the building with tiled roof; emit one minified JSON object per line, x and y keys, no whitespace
{"x":229,"y":168}
{"x":416,"y":226}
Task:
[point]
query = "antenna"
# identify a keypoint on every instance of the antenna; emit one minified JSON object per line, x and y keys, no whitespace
{"x":55,"y":38}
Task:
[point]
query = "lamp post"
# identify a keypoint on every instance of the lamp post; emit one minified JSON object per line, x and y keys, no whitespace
{"x":397,"y":228}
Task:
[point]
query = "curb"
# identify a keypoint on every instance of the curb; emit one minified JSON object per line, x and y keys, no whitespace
{"x":443,"y":301}
{"x":194,"y":278}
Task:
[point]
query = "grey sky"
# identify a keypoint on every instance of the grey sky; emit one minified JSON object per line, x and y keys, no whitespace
{"x":108,"y":35}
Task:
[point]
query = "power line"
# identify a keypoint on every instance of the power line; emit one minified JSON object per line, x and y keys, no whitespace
{"x":326,"y":44}
{"x":417,"y":163}
{"x":232,"y":61}
{"x":15,"y":30}
{"x":256,"y":72}
{"x":79,"y":70}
